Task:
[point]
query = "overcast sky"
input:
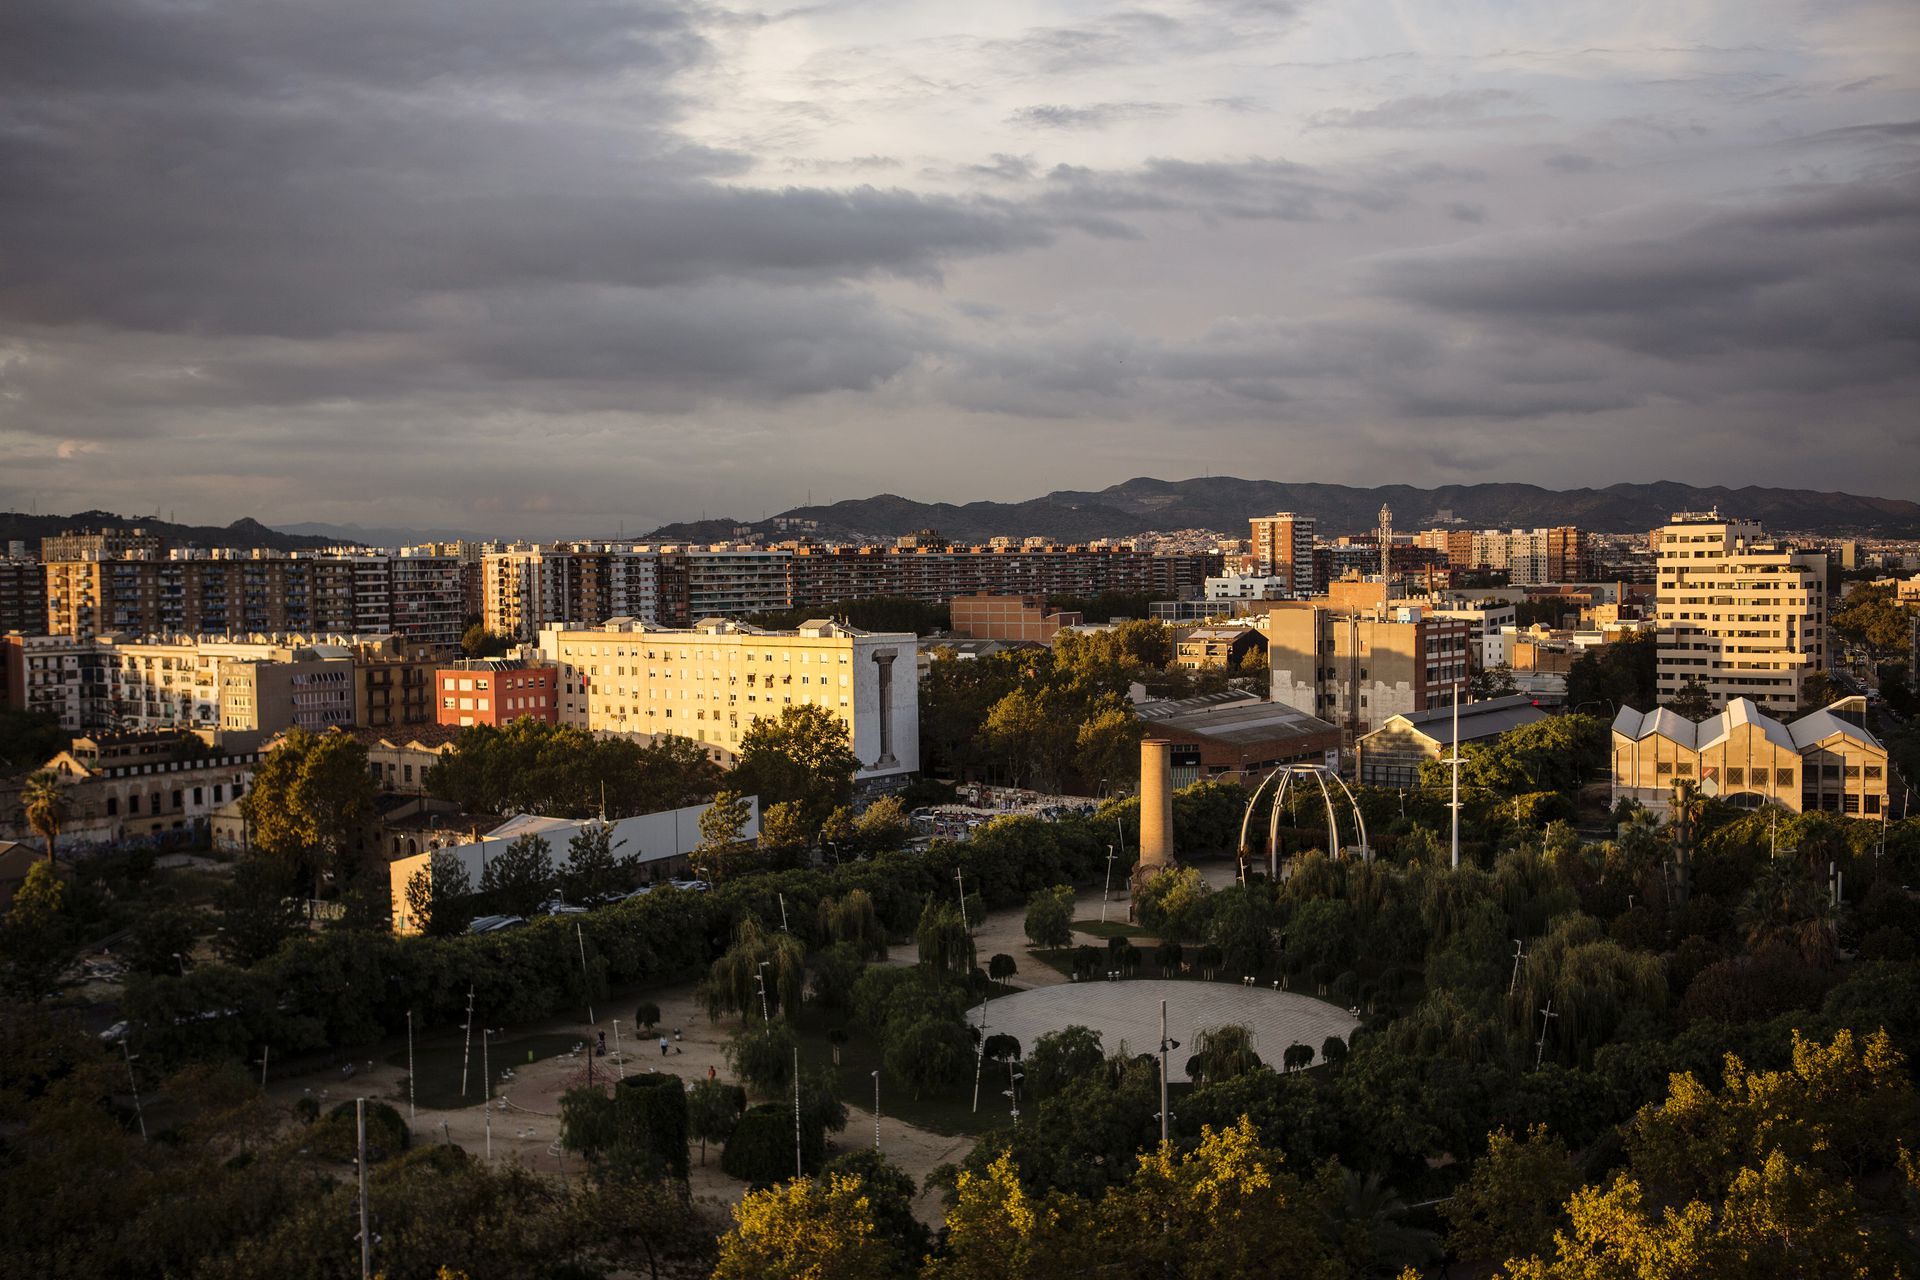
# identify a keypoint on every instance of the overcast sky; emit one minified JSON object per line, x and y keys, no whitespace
{"x":543,"y":266}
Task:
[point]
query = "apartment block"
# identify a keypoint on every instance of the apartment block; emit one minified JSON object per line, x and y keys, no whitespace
{"x":525,"y":588}
{"x":126,"y":684}
{"x":1283,"y":548}
{"x":1527,"y":556}
{"x":314,"y":692}
{"x":42,"y":674}
{"x":23,"y":595}
{"x":1034,"y":567}
{"x":1357,"y":668}
{"x":710,"y":682}
{"x":427,"y":597}
{"x":497,"y":691}
{"x":1737,"y":611}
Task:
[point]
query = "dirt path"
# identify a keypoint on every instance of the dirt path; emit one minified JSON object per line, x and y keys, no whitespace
{"x":526,"y":1120}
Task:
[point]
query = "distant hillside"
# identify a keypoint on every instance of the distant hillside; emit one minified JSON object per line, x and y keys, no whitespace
{"x":380,"y":537}
{"x":245,"y":534}
{"x":1226,"y":504}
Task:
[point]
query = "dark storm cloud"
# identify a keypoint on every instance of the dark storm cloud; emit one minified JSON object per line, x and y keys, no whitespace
{"x":301,"y":171}
{"x":1834,"y":269}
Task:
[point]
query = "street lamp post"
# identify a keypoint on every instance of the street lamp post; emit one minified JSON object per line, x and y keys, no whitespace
{"x":486,"y":1038}
{"x":1107,"y":892}
{"x":760,"y":976}
{"x":876,"y":1109}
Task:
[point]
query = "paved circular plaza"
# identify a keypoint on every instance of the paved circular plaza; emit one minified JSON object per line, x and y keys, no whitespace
{"x":1129,"y":1012}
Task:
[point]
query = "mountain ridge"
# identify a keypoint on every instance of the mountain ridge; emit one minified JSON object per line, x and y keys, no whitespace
{"x":1226,"y":503}
{"x":245,"y":534}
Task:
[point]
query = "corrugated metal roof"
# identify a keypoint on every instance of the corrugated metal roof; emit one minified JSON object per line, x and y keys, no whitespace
{"x":1240,"y":723}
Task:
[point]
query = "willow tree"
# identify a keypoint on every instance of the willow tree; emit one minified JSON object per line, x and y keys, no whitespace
{"x":734,"y":982}
{"x":942,"y":940}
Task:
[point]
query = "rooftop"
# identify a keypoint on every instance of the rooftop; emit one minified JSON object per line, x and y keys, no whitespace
{"x":1484,"y":719}
{"x":1232,"y":718}
{"x":1805,"y":732}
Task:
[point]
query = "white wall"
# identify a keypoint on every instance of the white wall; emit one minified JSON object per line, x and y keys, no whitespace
{"x":650,"y":837}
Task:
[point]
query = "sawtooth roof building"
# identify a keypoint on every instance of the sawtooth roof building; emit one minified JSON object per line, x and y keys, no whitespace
{"x":1822,"y":761}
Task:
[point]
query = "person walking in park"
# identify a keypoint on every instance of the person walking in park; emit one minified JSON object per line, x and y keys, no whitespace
{"x":663,"y":1046}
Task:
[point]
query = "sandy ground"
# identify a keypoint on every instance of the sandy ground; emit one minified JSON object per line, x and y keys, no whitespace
{"x":525,"y":1119}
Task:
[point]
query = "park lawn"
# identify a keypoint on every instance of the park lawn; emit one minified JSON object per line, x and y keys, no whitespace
{"x":943,"y":1109}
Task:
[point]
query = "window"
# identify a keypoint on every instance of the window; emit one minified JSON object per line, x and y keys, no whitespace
{"x":113,"y":806}
{"x":133,"y":803}
{"x":1736,"y":777}
{"x":1783,"y":777}
{"x":1663,"y":769}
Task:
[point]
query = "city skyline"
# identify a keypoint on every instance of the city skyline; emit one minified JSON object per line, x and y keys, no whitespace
{"x":541,"y":270}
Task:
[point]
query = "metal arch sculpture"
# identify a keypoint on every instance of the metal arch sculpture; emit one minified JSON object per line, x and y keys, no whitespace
{"x":1286,"y":774}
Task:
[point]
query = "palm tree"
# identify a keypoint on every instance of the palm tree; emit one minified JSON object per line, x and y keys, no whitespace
{"x":1374,"y":1211}
{"x":44,"y":798}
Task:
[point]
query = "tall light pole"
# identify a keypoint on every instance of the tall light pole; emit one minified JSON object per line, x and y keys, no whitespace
{"x":1166,"y":1046}
{"x":961,"y":881}
{"x":366,"y":1239}
{"x":797,"y":1170}
{"x":876,"y":1109}
{"x":586,"y":978}
{"x":619,"y":1058}
{"x":413,"y":1114}
{"x":139,"y":1111}
{"x":980,"y":1057}
{"x":486,"y":1037}
{"x":466,"y":1050}
{"x":1455,"y":762}
{"x":760,"y":976}
{"x":1107,"y":892}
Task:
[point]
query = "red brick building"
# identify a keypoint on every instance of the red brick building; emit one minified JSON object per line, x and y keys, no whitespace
{"x":497,"y":691}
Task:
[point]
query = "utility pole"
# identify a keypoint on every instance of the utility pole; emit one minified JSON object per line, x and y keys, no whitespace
{"x":876,"y":1109}
{"x":1547,"y":1015}
{"x":366,"y":1239}
{"x":1455,"y":762}
{"x":783,"y":911}
{"x":266,"y":1051}
{"x":796,"y":1113}
{"x":760,"y":976}
{"x":586,"y":978}
{"x":619,"y":1058}
{"x":1519,"y":955}
{"x":961,"y":881}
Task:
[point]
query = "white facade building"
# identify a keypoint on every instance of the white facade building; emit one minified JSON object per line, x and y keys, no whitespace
{"x":711,"y":681}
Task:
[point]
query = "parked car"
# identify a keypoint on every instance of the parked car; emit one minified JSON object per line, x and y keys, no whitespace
{"x":494,"y":924}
